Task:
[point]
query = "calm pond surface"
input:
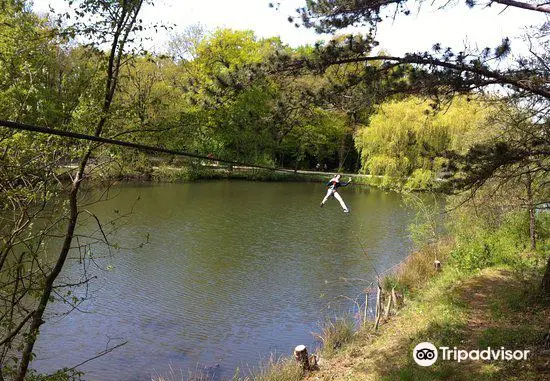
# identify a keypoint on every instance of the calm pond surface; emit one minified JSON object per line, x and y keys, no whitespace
{"x":233,"y":272}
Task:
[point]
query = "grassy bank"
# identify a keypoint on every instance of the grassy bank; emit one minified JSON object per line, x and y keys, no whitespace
{"x":115,"y":171}
{"x":494,"y":307}
{"x":180,"y":174}
{"x":145,"y":170}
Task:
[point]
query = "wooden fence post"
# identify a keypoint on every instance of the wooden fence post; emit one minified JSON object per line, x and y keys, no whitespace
{"x":366,"y":308}
{"x":394,"y":298}
{"x":378,"y":307}
{"x":390,"y":301}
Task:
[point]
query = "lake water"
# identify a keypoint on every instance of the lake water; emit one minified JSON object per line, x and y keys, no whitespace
{"x":233,"y":272}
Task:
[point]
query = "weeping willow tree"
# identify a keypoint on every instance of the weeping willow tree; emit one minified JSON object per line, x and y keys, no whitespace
{"x":407,"y":142}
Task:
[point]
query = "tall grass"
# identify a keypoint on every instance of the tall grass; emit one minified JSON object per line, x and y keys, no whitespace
{"x":417,"y":268}
{"x":276,"y":369}
{"x":198,"y":374}
{"x":335,"y":333}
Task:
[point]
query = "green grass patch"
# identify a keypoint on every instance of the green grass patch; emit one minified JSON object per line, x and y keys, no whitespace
{"x":519,"y":337}
{"x":334,"y":334}
{"x":282,"y":369}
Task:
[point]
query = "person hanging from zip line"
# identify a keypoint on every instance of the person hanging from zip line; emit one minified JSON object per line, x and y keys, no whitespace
{"x":333,"y":186}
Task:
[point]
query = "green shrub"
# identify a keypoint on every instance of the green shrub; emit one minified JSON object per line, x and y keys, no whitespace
{"x":481,"y":245}
{"x":168,"y":174}
{"x":118,"y":166}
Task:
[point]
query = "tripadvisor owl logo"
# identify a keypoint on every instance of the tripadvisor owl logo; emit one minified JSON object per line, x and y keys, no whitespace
{"x":425,"y":354}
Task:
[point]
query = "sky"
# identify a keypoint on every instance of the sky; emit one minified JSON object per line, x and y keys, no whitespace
{"x":455,"y":26}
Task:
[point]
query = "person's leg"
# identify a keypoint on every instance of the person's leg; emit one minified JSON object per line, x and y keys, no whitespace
{"x":329,"y":192}
{"x":339,"y":198}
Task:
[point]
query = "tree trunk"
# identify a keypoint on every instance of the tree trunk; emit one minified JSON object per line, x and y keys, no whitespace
{"x":532,"y":229}
{"x":342,"y":154}
{"x":36,"y":320}
{"x":546,"y":279}
{"x":531,"y":206}
{"x":126,"y":20}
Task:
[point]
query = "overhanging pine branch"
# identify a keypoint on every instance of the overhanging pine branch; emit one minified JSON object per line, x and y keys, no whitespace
{"x":532,"y":7}
{"x":502,"y":78}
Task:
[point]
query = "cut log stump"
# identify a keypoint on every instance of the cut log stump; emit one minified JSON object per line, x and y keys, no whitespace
{"x":307,"y":362}
{"x":300,"y":354}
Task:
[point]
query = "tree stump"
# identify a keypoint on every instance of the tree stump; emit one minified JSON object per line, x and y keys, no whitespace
{"x":300,"y":354}
{"x":437,"y":265}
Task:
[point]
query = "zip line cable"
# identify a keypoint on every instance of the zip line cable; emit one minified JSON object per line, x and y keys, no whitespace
{"x":138,"y":146}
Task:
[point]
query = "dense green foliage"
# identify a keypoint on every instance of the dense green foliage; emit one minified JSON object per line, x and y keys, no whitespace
{"x":211,"y":105}
{"x":487,"y":235}
{"x":407,"y":142}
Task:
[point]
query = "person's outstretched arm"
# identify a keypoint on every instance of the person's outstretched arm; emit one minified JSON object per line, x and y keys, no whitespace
{"x":346,"y":184}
